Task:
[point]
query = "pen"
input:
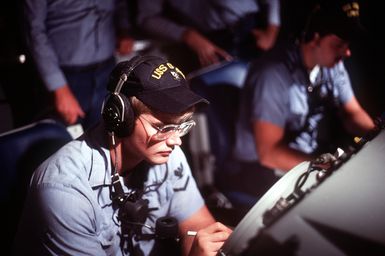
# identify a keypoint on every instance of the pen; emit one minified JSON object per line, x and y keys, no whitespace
{"x":191,"y":233}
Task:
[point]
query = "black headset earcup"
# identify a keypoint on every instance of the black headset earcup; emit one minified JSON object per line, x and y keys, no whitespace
{"x":117,"y":112}
{"x":118,"y":115}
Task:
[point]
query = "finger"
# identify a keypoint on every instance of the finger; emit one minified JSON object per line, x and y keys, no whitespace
{"x":224,"y":54}
{"x":213,"y":247}
{"x":207,"y":59}
{"x":81,"y":112}
{"x":70,"y":119}
{"x":256,"y":32}
{"x":218,"y":236}
{"x":202,"y":60}
{"x":214,"y":59}
{"x":216,"y":227}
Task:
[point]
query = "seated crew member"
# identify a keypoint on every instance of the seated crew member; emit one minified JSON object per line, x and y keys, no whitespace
{"x":290,"y":97}
{"x":102,"y":193}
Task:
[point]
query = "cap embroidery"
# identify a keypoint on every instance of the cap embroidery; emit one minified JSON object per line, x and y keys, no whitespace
{"x":351,"y":9}
{"x":175,"y":75}
{"x":161,"y":69}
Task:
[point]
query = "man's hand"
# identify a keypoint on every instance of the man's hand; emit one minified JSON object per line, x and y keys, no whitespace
{"x":265,"y":39}
{"x":207,"y":52}
{"x":67,"y":106}
{"x":125,"y":45}
{"x":209,"y":240}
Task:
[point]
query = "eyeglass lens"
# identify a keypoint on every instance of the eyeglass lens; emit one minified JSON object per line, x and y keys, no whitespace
{"x":168,"y":130}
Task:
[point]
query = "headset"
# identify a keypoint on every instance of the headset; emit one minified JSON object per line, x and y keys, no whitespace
{"x":119,"y":119}
{"x":117,"y":112}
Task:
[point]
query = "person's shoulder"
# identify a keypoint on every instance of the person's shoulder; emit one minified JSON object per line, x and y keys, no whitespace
{"x":176,"y":160}
{"x":338,"y":71}
{"x":174,"y":174}
{"x":177,"y":157}
{"x":65,"y":165}
{"x":273,"y":60}
{"x":338,"y":67}
{"x":177,"y":165}
{"x":177,"y":152}
{"x":271,"y":70}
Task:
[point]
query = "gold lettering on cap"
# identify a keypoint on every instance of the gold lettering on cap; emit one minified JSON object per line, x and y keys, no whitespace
{"x":159,"y":71}
{"x":176,"y":69}
{"x":170,"y":65}
{"x":180,"y":72}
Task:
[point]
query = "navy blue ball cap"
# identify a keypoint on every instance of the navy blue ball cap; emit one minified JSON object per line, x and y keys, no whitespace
{"x":340,"y":17}
{"x":157,"y":83}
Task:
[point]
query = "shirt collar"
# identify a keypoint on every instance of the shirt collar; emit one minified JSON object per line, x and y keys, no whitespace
{"x":294,"y":62}
{"x":100,"y":167}
{"x":100,"y":172}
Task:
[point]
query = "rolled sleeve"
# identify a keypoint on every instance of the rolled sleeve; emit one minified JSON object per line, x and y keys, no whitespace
{"x":41,"y":49}
{"x":340,"y":77}
{"x":274,"y":15}
{"x":270,"y":98}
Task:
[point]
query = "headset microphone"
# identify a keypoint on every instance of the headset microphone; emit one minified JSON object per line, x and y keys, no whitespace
{"x":132,"y":208}
{"x":133,"y":212}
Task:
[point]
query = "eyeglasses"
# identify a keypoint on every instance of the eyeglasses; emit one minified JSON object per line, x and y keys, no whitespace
{"x":166,"y":131}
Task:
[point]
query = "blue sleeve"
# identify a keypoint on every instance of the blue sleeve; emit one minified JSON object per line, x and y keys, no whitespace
{"x":274,"y":15}
{"x":68,"y":222}
{"x":342,"y":84}
{"x":269,"y":96}
{"x":39,"y":45}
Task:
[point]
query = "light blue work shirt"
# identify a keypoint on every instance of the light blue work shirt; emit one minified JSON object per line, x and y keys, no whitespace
{"x":204,"y":15}
{"x":70,"y":33}
{"x":69,"y":210}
